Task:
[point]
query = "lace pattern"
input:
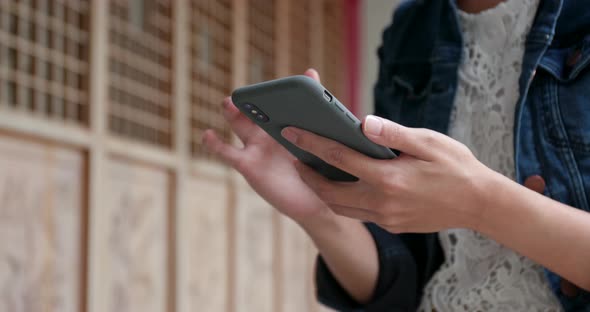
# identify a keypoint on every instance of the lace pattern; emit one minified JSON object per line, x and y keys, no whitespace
{"x":479,"y":274}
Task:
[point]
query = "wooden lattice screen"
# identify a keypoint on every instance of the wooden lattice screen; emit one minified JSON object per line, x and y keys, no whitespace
{"x":334,"y":73}
{"x":300,"y":36}
{"x":261,"y":40}
{"x":210,"y":70}
{"x":99,"y":102}
{"x":140,"y":78}
{"x":44,"y":58}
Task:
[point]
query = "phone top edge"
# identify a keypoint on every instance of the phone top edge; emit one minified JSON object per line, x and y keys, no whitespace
{"x":313,"y":112}
{"x":299,"y":79}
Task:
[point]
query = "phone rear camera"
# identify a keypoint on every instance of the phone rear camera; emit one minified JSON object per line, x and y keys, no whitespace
{"x":262,"y":117}
{"x":248,"y":106}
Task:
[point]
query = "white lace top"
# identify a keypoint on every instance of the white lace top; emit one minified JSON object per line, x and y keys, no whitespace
{"x":479,"y":274}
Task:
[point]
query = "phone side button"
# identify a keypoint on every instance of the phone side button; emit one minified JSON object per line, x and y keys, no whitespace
{"x":339,"y":106}
{"x":353,"y":119}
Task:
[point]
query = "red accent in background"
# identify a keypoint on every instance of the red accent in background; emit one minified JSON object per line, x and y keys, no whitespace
{"x":352,"y":43}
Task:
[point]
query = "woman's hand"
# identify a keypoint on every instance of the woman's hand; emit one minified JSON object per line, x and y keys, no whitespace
{"x":266,"y":165}
{"x":436,"y":183}
{"x":345,"y":244}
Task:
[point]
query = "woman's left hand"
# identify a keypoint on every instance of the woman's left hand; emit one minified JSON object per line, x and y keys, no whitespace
{"x":436,"y":183}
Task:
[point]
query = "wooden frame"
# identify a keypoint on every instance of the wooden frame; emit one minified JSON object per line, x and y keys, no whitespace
{"x":92,"y":132}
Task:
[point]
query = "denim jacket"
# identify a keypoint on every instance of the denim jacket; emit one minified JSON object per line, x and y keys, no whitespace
{"x":419,"y":61}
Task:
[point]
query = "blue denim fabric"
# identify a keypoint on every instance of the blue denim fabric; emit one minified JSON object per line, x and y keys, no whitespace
{"x":416,"y":87}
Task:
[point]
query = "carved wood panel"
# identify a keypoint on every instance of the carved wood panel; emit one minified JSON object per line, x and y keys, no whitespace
{"x":296,"y":281}
{"x":254,"y":255}
{"x":204,"y":269}
{"x":137,"y":210}
{"x":40,"y":227}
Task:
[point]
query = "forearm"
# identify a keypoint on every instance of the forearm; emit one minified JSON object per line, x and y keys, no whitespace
{"x":349,"y":251}
{"x":552,"y":234}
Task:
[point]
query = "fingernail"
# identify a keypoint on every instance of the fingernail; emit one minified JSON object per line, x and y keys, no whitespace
{"x":373,"y":125}
{"x":290,"y":134}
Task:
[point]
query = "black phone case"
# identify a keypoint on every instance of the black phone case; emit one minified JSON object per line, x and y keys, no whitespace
{"x":302,"y":102}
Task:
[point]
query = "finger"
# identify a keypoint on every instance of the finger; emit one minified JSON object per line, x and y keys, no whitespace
{"x":338,"y":155}
{"x":421,"y":143}
{"x":355,"y":195}
{"x":229,"y":154}
{"x":355,"y":213}
{"x":312,"y":73}
{"x":241,"y":125}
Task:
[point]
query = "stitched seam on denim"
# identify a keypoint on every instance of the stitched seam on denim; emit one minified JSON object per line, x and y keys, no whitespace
{"x":519,"y":108}
{"x":561,"y":139}
{"x":549,"y":65}
{"x":550,"y":126}
{"x":538,"y":148}
{"x":577,"y":144}
{"x":566,"y":153}
{"x":541,"y":37}
{"x":552,"y":67}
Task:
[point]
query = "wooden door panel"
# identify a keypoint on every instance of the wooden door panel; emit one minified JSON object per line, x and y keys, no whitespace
{"x":40,"y":227}
{"x":203,"y":272}
{"x":137,"y":214}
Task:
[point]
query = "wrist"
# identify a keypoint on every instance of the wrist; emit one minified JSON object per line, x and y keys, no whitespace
{"x":322,"y":217}
{"x":494,"y":202}
{"x":488,"y":186}
{"x":326,"y":225}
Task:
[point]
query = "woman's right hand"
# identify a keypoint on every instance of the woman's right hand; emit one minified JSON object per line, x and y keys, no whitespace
{"x":266,"y":165}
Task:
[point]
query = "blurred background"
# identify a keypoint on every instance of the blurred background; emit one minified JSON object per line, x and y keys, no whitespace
{"x":108,"y":201}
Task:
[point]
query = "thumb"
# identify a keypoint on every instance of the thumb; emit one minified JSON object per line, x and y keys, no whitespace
{"x":412,"y":141}
{"x":313,"y":74}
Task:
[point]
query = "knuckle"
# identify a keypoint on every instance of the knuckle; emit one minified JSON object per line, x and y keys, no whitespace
{"x":430,"y":138}
{"x":303,"y":141}
{"x":459,"y":153}
{"x":389,"y":183}
{"x":393,"y":133}
{"x":464,"y":152}
{"x":239,"y":165}
{"x":335,"y":155}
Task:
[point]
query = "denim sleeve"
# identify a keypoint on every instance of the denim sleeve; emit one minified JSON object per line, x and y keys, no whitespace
{"x":396,"y":288}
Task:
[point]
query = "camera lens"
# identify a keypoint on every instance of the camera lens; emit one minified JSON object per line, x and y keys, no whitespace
{"x":262,"y":117}
{"x":248,"y":106}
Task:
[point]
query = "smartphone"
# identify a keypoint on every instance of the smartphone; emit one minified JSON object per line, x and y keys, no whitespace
{"x":302,"y":102}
